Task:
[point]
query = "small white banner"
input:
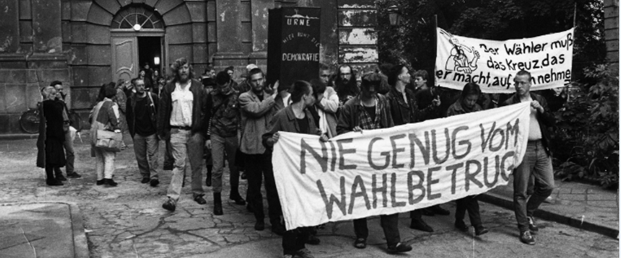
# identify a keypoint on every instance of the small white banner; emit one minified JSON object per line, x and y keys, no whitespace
{"x":493,"y":64}
{"x":399,"y":169}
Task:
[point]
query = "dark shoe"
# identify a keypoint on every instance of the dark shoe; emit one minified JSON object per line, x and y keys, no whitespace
{"x":420,"y":225}
{"x":428,"y":212}
{"x":313,"y":240}
{"x":259,"y":225}
{"x":278,"y":229}
{"x":61,"y":178}
{"x":461,"y":226}
{"x":154,"y":182}
{"x":243,"y":175}
{"x":199,"y":199}
{"x":170,"y":204}
{"x":237,"y":199}
{"x":54,"y":182}
{"x":439,"y":210}
{"x":303,"y":253}
{"x":480,"y":230}
{"x":531,"y":226}
{"x":399,"y":248}
{"x":110,"y":183}
{"x":101,"y":182}
{"x":145,"y":180}
{"x":217,"y":204}
{"x":360,"y":243}
{"x":73,"y":175}
{"x":527,"y":238}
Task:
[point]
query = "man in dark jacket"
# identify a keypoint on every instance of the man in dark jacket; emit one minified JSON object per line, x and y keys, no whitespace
{"x":223,"y":126}
{"x":370,"y":110}
{"x":142,"y":122}
{"x":294,"y":118}
{"x":68,"y":143}
{"x":537,"y":160}
{"x":182,"y":117}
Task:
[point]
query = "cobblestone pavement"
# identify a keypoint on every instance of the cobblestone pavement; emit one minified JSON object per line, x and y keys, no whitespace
{"x":128,"y":221}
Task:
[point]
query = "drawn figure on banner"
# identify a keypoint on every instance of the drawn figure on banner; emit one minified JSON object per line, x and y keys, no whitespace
{"x":462,"y":59}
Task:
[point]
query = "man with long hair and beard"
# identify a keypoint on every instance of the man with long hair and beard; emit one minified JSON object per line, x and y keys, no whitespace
{"x":182,"y":120}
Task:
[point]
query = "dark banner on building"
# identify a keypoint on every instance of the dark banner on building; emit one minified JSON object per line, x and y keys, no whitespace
{"x":293,"y":45}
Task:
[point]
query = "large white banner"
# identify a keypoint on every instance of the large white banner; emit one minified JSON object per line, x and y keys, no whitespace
{"x":386,"y":171}
{"x":493,"y":64}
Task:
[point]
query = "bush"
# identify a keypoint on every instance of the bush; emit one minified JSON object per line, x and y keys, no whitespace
{"x":586,"y":141}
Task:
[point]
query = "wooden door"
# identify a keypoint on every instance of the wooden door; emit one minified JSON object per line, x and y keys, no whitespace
{"x":124,"y":58}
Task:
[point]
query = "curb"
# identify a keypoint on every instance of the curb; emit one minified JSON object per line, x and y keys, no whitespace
{"x":547,"y":215}
{"x":80,"y":244}
{"x":23,"y":136}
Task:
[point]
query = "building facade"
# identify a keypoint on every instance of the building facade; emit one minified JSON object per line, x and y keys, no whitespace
{"x":86,"y":43}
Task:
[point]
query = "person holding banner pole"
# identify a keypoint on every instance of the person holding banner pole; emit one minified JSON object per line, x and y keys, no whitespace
{"x":404,"y":110}
{"x":468,"y":103}
{"x":295,"y":118}
{"x":537,"y":160}
{"x":367,"y":111}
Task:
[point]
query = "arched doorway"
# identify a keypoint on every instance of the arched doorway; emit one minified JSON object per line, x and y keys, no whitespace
{"x":137,"y":37}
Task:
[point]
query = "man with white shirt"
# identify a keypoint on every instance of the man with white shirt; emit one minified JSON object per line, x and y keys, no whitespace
{"x":537,"y":160}
{"x":182,"y":117}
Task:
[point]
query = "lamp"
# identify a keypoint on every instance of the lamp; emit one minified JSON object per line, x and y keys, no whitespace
{"x":137,"y":27}
{"x":393,"y":15}
{"x":156,"y":60}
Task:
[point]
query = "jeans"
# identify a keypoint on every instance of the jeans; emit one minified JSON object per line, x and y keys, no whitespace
{"x":389,"y":223}
{"x":186,"y":145}
{"x":104,"y":165}
{"x":69,"y":152}
{"x":538,"y":163}
{"x":257,"y":167}
{"x":146,"y":150}
{"x":220,"y":145}
{"x":471,"y":204}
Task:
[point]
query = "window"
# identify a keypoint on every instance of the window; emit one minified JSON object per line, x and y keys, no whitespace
{"x":133,"y":15}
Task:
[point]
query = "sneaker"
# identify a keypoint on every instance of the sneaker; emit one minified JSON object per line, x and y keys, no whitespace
{"x":531,"y":225}
{"x":237,"y":199}
{"x":399,"y":248}
{"x":199,"y":199}
{"x":54,"y":182}
{"x":420,"y":225}
{"x":527,"y":238}
{"x":170,"y":204}
{"x":110,"y":183}
{"x":61,"y":178}
{"x":480,"y":230}
{"x":73,"y":175}
{"x":304,"y":253}
{"x":145,"y":180}
{"x":154,"y":182}
{"x":101,"y":182}
{"x":259,"y":225}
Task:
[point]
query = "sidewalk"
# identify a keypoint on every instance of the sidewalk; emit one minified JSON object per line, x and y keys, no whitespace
{"x":585,"y":206}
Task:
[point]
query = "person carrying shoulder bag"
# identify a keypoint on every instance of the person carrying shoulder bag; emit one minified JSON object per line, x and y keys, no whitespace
{"x":104,"y":117}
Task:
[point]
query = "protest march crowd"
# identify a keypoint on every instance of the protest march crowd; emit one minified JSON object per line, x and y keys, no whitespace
{"x":213,"y":119}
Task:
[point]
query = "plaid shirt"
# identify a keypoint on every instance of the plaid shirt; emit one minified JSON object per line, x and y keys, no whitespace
{"x":366,"y":122}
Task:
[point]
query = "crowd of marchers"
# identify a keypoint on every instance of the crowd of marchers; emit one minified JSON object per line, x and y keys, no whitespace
{"x":218,"y":121}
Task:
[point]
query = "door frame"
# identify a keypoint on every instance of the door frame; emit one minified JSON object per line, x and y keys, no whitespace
{"x":124,"y":33}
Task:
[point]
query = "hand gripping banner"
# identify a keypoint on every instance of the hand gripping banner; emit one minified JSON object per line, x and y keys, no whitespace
{"x":493,"y":64}
{"x":399,"y":169}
